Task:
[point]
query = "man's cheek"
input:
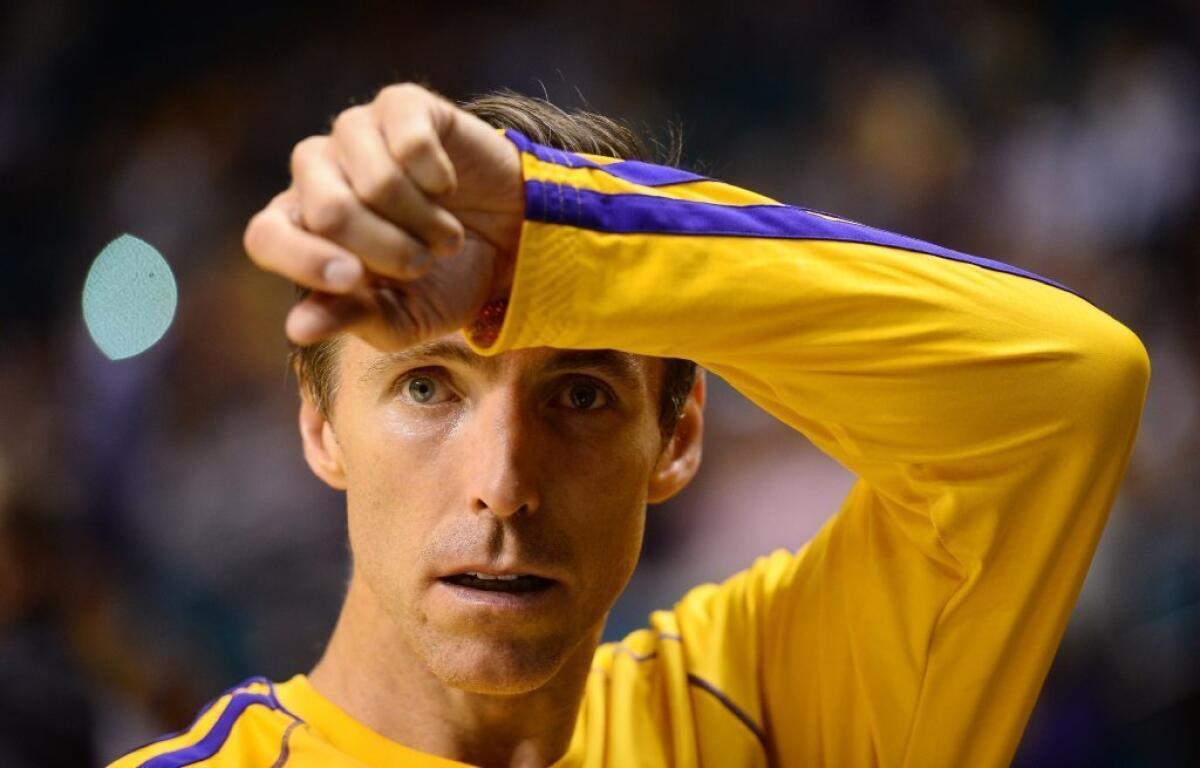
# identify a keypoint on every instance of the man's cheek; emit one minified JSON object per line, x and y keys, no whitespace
{"x":621,"y":477}
{"x":378,"y":529}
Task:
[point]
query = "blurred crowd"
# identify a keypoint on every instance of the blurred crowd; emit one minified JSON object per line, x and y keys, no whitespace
{"x":160,"y":536}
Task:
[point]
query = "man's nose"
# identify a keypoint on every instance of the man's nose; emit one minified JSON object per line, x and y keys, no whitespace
{"x":501,"y":464}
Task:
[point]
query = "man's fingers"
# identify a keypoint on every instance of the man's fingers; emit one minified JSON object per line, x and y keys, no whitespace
{"x":275,"y":242}
{"x":412,"y":121}
{"x":331,"y":209}
{"x":383,"y":182}
{"x":321,"y":315}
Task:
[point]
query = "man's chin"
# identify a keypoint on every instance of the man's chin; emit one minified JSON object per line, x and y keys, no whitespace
{"x":498,"y":666}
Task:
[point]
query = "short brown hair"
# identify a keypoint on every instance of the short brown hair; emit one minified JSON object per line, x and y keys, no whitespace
{"x":574,"y":131}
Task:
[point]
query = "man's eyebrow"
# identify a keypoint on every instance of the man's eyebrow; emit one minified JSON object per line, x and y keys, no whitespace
{"x":432,"y":350}
{"x":618,"y":365}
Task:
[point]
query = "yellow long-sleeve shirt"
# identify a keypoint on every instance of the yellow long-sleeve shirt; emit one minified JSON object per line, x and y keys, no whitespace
{"x":987,"y":412}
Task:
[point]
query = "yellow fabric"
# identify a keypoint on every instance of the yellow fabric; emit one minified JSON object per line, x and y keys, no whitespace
{"x":988,"y":417}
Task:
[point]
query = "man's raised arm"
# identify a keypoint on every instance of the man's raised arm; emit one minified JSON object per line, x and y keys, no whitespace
{"x":988,"y":412}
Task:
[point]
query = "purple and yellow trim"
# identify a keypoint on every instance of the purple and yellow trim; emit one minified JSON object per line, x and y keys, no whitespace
{"x":633,"y":171}
{"x":632,"y":213}
{"x":218,"y":734}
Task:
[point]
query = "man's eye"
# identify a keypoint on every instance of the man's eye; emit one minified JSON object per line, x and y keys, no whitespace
{"x":584,"y":396}
{"x":423,"y":390}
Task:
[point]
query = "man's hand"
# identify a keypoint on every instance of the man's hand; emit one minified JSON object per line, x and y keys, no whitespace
{"x":403,"y":221}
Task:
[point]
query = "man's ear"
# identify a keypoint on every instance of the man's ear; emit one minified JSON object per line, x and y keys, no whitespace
{"x":680,"y":458}
{"x":321,"y":449}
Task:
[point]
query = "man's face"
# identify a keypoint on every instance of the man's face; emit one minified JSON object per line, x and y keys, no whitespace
{"x":534,"y":462}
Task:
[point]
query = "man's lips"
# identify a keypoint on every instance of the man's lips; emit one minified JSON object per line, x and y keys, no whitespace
{"x":500,"y":571}
{"x":513,"y":584}
{"x":512,"y":587}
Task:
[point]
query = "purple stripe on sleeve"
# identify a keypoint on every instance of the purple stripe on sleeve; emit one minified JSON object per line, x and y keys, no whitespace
{"x":521,"y":140}
{"x":647,"y":214}
{"x":649,"y":174}
{"x":633,"y":171}
{"x":216,"y":736}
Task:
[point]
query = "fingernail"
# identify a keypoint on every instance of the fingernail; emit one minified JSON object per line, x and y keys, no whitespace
{"x":342,"y":272}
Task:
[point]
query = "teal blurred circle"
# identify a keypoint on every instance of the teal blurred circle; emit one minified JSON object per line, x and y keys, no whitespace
{"x":129,"y":298}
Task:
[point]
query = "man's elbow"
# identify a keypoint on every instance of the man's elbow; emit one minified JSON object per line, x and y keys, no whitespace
{"x":1108,"y":387}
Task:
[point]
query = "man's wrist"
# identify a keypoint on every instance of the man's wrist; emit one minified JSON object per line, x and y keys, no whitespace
{"x":503,"y":271}
{"x":484,"y":328}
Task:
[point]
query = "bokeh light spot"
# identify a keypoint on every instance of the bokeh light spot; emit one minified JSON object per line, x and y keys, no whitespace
{"x":129,"y":298}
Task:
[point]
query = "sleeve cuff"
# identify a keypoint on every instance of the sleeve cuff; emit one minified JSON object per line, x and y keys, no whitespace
{"x":548,"y":294}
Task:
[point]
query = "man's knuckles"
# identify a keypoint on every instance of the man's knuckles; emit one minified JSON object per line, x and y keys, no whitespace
{"x":353,"y":119}
{"x":306,"y":151}
{"x":252,"y":238}
{"x":410,"y":140}
{"x":328,"y":211}
{"x":274,"y":243}
{"x":404,"y":96}
{"x":379,"y":186}
{"x":266,"y":234}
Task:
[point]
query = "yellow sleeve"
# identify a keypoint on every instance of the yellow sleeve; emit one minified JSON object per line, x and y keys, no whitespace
{"x":987,"y":412}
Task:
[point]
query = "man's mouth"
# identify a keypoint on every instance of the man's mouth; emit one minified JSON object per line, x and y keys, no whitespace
{"x":511,"y":583}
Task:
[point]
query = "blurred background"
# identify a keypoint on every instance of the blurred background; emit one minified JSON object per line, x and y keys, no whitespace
{"x":160,"y":536}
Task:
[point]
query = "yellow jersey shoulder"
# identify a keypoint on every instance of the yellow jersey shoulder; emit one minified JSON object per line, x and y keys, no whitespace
{"x":246,"y":725}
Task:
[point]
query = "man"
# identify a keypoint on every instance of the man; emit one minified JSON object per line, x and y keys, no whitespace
{"x":480,"y":373}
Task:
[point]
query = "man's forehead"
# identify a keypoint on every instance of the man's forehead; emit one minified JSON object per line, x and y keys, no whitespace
{"x":369,"y":363}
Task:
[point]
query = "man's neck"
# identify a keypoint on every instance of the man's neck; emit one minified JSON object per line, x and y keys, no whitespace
{"x":370,"y":671}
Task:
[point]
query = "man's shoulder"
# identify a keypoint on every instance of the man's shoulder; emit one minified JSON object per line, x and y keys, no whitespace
{"x":245,"y":725}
